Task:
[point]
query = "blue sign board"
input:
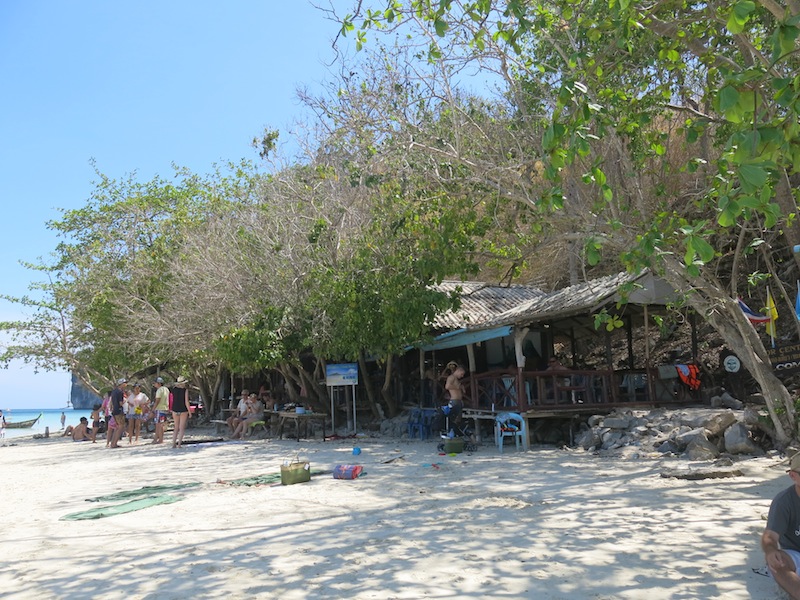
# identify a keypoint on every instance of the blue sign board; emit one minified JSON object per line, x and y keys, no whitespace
{"x":341,"y":374}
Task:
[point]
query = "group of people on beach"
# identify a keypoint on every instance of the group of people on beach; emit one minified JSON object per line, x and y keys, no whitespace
{"x":124,"y":411}
{"x":249,"y":410}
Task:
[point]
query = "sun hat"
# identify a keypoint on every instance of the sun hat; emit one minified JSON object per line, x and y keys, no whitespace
{"x":794,"y":462}
{"x":121,"y":381}
{"x":181,"y":380}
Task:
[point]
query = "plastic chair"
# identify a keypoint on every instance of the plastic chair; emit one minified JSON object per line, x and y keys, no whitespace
{"x":428,"y":418}
{"x":416,"y":426}
{"x":511,"y":425}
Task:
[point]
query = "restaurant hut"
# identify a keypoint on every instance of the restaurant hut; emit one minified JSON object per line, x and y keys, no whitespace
{"x":508,"y":337}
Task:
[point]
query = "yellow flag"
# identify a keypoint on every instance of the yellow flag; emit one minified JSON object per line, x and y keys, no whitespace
{"x":772,"y":313}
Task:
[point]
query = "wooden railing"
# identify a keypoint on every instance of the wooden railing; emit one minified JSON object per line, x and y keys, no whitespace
{"x":571,"y":389}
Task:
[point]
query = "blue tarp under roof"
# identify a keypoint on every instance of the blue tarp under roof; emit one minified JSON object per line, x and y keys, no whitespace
{"x":463,"y":337}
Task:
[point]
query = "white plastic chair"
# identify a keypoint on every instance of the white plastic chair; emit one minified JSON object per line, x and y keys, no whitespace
{"x":508,"y":424}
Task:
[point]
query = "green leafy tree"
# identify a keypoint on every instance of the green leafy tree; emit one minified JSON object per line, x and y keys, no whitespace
{"x":679,"y":121}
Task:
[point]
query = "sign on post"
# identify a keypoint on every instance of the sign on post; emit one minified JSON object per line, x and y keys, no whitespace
{"x":342,"y":374}
{"x":785,"y":359}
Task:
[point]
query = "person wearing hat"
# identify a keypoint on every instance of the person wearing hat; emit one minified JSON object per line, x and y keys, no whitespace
{"x":453,"y":383}
{"x":117,"y":411}
{"x":161,"y":409}
{"x":781,"y":538}
{"x":180,"y":410}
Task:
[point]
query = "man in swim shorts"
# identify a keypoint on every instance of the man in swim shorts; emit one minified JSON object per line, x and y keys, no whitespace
{"x":781,"y":538}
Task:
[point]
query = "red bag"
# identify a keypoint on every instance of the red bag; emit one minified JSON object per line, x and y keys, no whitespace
{"x":170,"y":400}
{"x":347,"y":471}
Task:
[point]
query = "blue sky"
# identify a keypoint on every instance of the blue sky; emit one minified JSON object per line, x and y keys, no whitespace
{"x":136,"y":86}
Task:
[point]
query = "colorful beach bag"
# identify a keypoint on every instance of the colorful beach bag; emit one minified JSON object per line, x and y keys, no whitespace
{"x":347,"y":471}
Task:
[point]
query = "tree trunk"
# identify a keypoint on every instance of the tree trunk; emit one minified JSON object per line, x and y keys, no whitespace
{"x":362,"y":363}
{"x":386,"y":389}
{"x":708,"y":297}
{"x":208,"y":381}
{"x":318,"y":399}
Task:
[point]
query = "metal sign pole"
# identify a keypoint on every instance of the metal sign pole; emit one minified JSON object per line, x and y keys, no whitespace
{"x":333,"y":411}
{"x":355,"y":427}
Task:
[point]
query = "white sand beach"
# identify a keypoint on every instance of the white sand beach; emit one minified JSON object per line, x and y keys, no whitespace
{"x":545,"y":524}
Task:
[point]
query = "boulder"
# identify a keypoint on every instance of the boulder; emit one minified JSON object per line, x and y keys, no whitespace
{"x":701,"y":449}
{"x":729,"y":401}
{"x":611,"y":439}
{"x":668,"y":447}
{"x":594,"y":420}
{"x":683,"y":439}
{"x":619,"y":422}
{"x":588,"y":439}
{"x":757,"y":398}
{"x":738,"y":441}
{"x":750,"y":416}
{"x":718,"y":423}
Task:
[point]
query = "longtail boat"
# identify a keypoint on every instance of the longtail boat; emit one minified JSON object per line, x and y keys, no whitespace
{"x":22,"y":424}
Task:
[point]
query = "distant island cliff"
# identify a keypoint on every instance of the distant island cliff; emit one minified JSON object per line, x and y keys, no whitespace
{"x":81,"y":397}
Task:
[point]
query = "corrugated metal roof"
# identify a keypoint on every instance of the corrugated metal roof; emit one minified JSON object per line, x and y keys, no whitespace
{"x":577,"y":298}
{"x":486,"y":306}
{"x":481,"y":302}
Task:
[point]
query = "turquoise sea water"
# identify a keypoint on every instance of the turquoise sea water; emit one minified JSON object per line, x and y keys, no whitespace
{"x":51,"y":417}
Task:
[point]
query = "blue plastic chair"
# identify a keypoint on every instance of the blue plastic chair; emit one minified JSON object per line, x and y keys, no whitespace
{"x":508,"y":424}
{"x":416,"y":425}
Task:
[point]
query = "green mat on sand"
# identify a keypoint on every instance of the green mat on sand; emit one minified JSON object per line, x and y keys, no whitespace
{"x":264,"y":479}
{"x":118,"y":509}
{"x":256,"y":480}
{"x":147,"y":490}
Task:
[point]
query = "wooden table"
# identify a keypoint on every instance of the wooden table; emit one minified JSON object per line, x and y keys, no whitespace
{"x":298,"y":418}
{"x":478,"y":415}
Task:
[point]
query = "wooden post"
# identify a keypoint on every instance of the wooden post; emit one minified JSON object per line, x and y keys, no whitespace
{"x":519,"y":338}
{"x":421,"y":377}
{"x":473,"y":388}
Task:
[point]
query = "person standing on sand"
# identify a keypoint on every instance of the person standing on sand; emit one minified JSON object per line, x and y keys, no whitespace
{"x":137,"y":404}
{"x":781,"y":538}
{"x":161,"y":409}
{"x":118,"y":411}
{"x":95,"y":416}
{"x":453,"y":384}
{"x":63,"y":419}
{"x":106,"y":410}
{"x":180,"y":410}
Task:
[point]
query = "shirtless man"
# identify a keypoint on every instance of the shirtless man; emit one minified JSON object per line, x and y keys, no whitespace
{"x":79,"y":433}
{"x":453,"y":384}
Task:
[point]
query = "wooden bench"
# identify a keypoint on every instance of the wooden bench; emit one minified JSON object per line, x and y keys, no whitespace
{"x":217,"y":423}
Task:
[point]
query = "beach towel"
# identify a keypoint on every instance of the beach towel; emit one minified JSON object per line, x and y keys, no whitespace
{"x":147,"y":490}
{"x":118,"y":509}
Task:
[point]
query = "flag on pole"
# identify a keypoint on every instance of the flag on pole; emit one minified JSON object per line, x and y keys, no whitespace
{"x":752,"y":316}
{"x":772,"y":313}
{"x":797,"y":302}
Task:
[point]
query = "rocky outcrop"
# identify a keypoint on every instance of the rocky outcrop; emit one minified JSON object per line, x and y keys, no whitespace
{"x":701,"y":434}
{"x":81,"y":397}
